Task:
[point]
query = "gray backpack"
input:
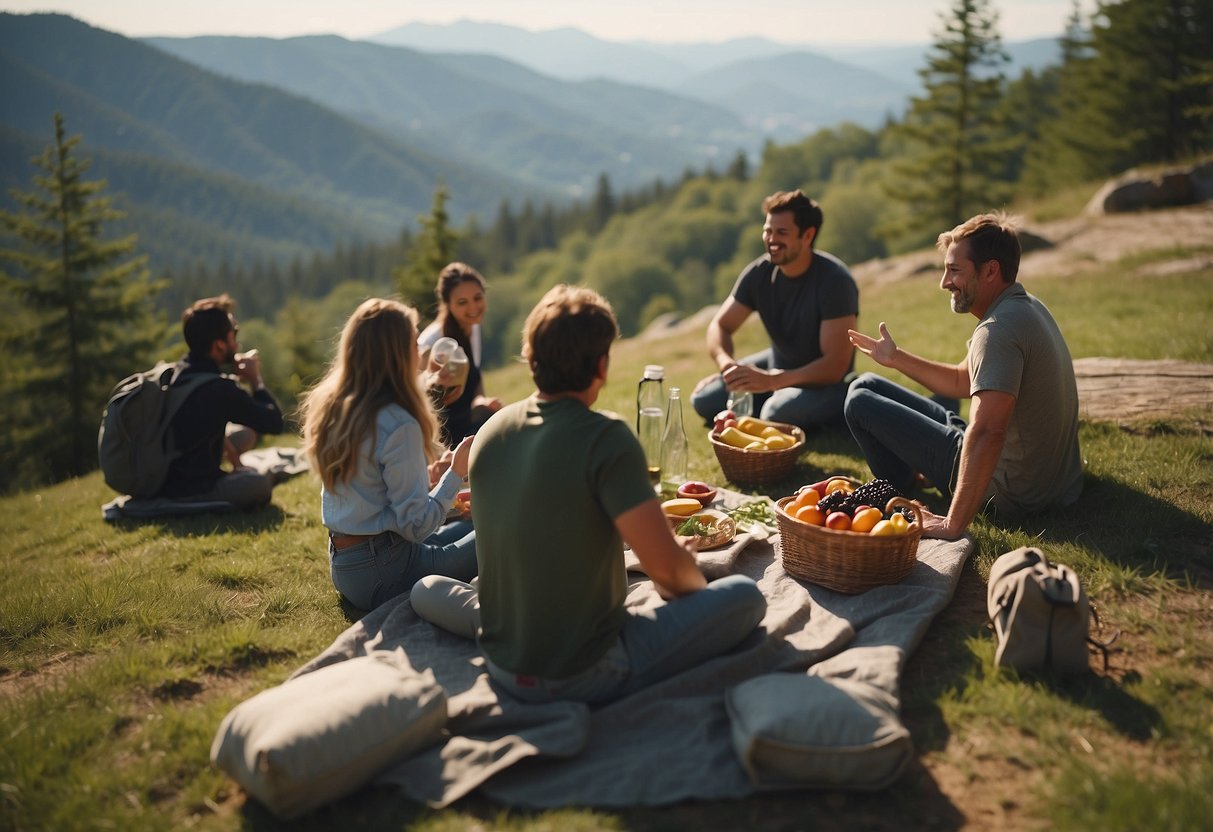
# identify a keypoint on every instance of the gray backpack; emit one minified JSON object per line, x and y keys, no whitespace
{"x":1040,"y":614}
{"x":134,"y":444}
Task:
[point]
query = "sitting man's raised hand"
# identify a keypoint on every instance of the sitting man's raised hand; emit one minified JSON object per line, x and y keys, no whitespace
{"x":881,"y":351}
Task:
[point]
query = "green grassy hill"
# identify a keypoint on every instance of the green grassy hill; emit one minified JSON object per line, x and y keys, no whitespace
{"x":122,"y":646}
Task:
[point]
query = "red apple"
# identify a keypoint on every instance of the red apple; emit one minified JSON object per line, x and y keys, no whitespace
{"x":696,"y":490}
{"x":820,"y":487}
{"x":838,"y":520}
{"x":718,"y":423}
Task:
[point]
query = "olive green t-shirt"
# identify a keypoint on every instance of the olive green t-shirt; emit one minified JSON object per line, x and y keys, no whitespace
{"x":548,"y":479}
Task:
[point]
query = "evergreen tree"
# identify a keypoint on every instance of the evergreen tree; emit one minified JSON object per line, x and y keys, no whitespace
{"x":603,"y":205}
{"x":1147,"y":82}
{"x":954,"y":132}
{"x":1068,"y":149}
{"x":431,"y":250}
{"x":84,"y":317}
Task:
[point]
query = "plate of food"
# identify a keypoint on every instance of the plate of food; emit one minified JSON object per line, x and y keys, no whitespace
{"x":710,"y":528}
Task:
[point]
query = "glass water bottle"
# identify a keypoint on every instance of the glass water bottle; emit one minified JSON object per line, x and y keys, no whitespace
{"x":741,"y":403}
{"x":674,"y":443}
{"x":650,"y":398}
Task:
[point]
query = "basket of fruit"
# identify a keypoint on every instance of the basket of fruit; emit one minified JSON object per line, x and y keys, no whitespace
{"x":848,"y":537}
{"x":755,"y":451}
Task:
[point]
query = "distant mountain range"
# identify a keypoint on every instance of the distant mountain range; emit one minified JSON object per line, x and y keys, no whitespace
{"x":234,"y":148}
{"x":782,"y":90}
{"x":557,"y":135}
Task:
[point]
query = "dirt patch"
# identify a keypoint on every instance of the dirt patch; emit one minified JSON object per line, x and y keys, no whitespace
{"x":18,"y":683}
{"x":1080,"y":245}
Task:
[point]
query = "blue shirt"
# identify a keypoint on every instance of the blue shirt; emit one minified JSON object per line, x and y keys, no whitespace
{"x":389,"y":490}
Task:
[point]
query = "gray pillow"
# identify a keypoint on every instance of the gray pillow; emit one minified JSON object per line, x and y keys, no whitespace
{"x":322,"y":735}
{"x":796,"y":731}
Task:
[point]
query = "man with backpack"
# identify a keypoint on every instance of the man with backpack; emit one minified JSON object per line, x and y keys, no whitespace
{"x":219,"y":418}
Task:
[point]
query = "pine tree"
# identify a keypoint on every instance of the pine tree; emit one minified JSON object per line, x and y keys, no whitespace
{"x":84,"y":318}
{"x":1070,"y":149}
{"x":602,"y":207}
{"x":954,"y":133}
{"x":431,"y":250}
{"x":1147,"y":81}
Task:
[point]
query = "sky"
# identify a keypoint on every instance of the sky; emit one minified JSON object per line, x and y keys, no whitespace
{"x":670,"y":21}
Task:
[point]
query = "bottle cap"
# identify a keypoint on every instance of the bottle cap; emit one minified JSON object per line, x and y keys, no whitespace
{"x":654,"y":371}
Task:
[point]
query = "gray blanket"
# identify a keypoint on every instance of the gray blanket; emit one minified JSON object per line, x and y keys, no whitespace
{"x":667,"y":743}
{"x":278,"y":462}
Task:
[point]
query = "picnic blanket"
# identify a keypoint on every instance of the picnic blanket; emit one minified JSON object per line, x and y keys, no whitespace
{"x":280,"y":463}
{"x":670,"y":742}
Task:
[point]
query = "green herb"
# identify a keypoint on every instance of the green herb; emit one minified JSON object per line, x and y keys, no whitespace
{"x":755,"y":511}
{"x":695,"y":527}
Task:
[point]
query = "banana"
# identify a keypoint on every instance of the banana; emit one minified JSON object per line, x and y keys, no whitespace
{"x":737,"y":438}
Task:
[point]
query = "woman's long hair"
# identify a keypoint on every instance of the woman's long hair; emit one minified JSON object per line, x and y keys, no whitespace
{"x":374,"y":367}
{"x":451,"y":276}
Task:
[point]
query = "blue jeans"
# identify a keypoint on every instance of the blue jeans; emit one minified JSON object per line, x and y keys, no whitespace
{"x":802,"y":406}
{"x":902,"y":433}
{"x":654,"y":645}
{"x":386,"y":565}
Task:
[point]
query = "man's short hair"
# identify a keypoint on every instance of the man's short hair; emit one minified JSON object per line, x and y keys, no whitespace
{"x":207,"y":321}
{"x":990,"y":237}
{"x":806,"y":213}
{"x":564,"y":337}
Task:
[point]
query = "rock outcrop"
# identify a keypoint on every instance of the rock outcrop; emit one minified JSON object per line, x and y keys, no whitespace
{"x":1140,"y":191}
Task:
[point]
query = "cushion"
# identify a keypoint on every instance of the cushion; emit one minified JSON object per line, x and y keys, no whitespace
{"x":324,"y":734}
{"x":794,"y":731}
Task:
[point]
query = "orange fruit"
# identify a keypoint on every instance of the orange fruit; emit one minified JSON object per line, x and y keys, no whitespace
{"x":811,"y":515}
{"x":839,"y":485}
{"x":865,"y":519}
{"x":804,"y":498}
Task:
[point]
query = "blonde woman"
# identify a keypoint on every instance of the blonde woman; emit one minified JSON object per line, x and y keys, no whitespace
{"x":371,"y":434}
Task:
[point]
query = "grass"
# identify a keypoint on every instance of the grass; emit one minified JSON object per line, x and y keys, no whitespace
{"x":123,"y":645}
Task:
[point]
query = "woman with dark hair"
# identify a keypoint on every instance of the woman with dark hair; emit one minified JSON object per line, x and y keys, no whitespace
{"x":461,"y":307}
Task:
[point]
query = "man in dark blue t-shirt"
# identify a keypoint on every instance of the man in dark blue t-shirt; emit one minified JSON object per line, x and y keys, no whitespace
{"x":807,"y":301}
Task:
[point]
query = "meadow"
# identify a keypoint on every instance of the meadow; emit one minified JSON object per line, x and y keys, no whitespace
{"x":123,"y":645}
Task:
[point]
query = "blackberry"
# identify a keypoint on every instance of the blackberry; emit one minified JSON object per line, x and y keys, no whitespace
{"x":876,"y":493}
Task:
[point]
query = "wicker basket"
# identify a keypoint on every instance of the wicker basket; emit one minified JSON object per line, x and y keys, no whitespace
{"x":758,"y":467}
{"x":845,"y":561}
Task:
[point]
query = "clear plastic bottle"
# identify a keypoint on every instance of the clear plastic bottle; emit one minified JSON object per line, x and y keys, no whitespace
{"x":741,"y":403}
{"x":674,"y":443}
{"x":650,"y":398}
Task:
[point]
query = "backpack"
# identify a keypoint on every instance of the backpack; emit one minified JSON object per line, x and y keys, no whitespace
{"x":134,"y":444}
{"x":1040,"y":613}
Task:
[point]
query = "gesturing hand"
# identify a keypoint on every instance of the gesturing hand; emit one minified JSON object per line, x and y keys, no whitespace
{"x":882,"y":351}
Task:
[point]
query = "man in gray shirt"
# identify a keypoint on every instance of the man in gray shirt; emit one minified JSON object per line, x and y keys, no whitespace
{"x":1018,"y":453}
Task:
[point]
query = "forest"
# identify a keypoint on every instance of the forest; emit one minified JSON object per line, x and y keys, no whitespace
{"x":83,"y":309}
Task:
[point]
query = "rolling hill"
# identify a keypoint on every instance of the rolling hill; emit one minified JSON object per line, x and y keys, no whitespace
{"x":557,"y":134}
{"x":129,"y":98}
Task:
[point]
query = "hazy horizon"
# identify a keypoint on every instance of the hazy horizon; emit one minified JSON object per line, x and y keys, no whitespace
{"x":837,"y":22}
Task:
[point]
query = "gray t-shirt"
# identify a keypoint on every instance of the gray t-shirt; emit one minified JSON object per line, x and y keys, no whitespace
{"x":792,"y":309}
{"x":1017,"y":348}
